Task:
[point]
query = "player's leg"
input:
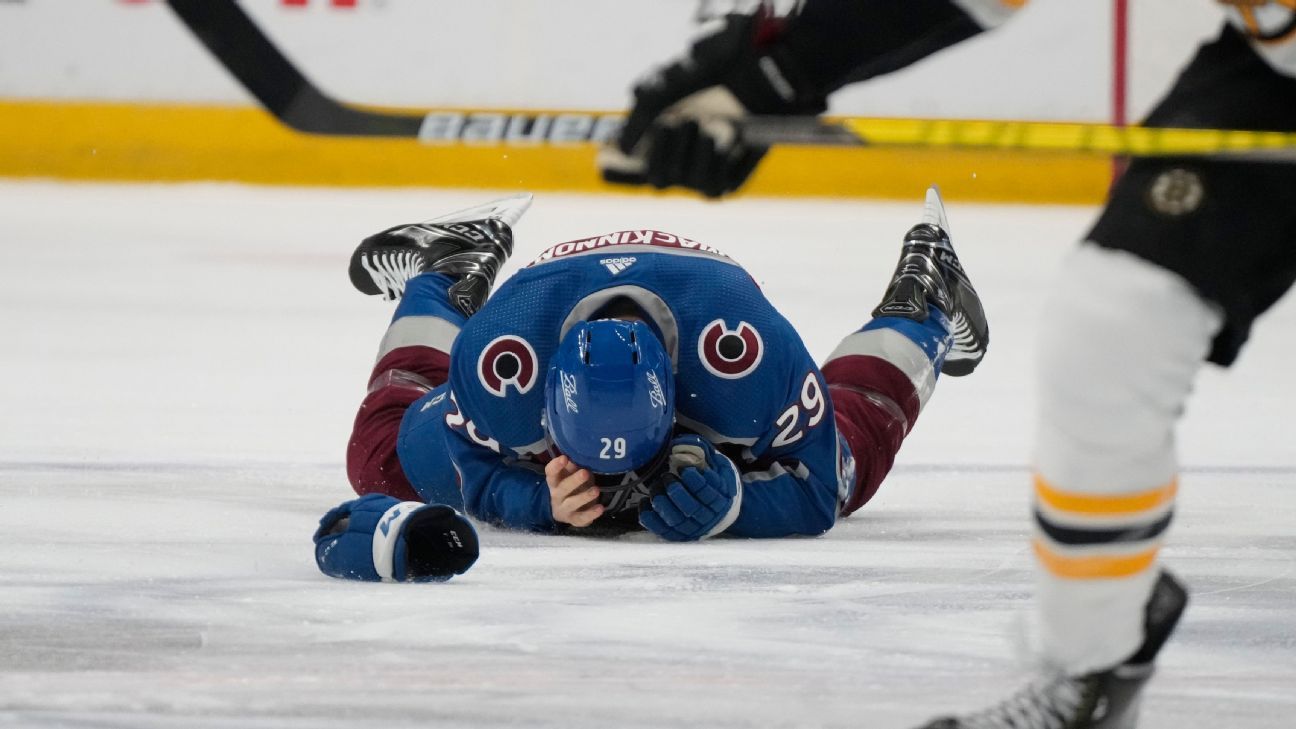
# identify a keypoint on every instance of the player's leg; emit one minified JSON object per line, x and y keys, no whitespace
{"x":1186,"y":254}
{"x":1123,"y":339}
{"x":413,"y":359}
{"x":1122,"y":343}
{"x":930,"y":321}
{"x":442,"y":271}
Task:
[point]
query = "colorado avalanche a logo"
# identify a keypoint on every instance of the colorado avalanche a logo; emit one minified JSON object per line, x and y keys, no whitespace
{"x":507,"y":361}
{"x":730,"y":353}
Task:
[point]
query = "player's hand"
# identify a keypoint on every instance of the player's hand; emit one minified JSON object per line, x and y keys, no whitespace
{"x":573,"y":495}
{"x":698,"y":497}
{"x":681,"y":129}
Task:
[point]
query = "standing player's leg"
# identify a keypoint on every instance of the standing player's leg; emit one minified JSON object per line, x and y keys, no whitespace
{"x":441,"y":271}
{"x":930,"y":321}
{"x":1184,"y":257}
{"x":1123,"y":340}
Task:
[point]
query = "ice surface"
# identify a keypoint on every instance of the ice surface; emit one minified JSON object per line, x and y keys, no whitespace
{"x":179,"y":367}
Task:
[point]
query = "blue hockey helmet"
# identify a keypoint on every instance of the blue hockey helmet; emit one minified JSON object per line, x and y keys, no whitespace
{"x":610,"y":396}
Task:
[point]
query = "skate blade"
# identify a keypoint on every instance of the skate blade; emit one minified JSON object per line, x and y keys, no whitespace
{"x":934,"y":210}
{"x":507,"y":210}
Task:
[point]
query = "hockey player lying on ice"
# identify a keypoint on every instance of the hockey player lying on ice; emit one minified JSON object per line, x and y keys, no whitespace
{"x":634,"y":380}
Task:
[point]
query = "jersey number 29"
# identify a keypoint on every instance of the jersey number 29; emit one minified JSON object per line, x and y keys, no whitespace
{"x":801,"y":415}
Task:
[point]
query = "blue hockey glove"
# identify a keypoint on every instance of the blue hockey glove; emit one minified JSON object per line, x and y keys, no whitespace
{"x":697,"y":497}
{"x":377,"y":537}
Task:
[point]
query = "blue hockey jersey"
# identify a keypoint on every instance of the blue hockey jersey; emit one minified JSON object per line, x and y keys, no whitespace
{"x":744,"y":379}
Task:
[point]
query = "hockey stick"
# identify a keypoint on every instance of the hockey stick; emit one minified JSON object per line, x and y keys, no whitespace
{"x":1023,"y":136}
{"x":244,"y":49}
{"x":236,"y":41}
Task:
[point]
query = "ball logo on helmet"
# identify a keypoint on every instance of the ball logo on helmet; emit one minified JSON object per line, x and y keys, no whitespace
{"x":568,"y":391}
{"x":655,"y":394}
{"x":507,"y":361}
{"x":730,"y":353}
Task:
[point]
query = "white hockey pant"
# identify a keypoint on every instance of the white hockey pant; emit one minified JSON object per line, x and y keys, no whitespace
{"x":1122,"y":340}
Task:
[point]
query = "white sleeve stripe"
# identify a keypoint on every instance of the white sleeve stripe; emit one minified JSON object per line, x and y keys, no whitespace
{"x":425,"y":331}
{"x":710,"y":434}
{"x":734,"y":508}
{"x":775,"y":471}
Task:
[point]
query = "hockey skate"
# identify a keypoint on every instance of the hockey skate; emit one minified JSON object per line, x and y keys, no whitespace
{"x":1105,"y":699}
{"x":470,"y":246}
{"x":929,"y":272}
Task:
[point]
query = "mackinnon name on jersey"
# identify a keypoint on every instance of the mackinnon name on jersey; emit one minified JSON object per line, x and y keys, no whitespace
{"x":492,"y":127}
{"x":626,"y":238}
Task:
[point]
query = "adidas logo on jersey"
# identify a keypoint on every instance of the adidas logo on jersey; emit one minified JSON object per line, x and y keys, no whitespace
{"x":617,"y":265}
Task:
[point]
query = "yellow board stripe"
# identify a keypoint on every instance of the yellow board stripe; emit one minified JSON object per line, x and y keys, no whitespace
{"x":1008,"y":135}
{"x":1104,"y":505}
{"x":165,"y":142}
{"x":1094,"y":567}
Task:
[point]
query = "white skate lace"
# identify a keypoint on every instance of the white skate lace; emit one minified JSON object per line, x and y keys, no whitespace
{"x":391,"y":269}
{"x":1044,"y":704}
{"x":964,"y":340}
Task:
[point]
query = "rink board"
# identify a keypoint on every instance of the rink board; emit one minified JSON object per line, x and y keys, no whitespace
{"x":135,"y":142}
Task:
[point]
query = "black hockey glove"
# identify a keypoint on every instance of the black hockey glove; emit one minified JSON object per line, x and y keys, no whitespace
{"x":682,"y":128}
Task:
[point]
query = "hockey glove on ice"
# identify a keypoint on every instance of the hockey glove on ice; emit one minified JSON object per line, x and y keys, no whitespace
{"x":681,"y":130}
{"x":697,"y":497}
{"x":377,"y":537}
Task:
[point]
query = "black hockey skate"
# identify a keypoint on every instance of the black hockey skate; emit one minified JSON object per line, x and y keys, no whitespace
{"x":929,"y":272}
{"x":1100,"y":700}
{"x":469,"y":246}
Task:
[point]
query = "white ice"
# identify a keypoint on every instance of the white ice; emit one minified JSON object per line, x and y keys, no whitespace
{"x":179,"y":367}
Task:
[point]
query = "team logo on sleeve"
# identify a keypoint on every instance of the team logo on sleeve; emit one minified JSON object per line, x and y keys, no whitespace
{"x":508,"y":361}
{"x":730,"y":353}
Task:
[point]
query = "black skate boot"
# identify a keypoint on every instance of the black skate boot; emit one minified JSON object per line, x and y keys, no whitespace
{"x":469,"y":246}
{"x":929,"y":272}
{"x":1106,"y":699}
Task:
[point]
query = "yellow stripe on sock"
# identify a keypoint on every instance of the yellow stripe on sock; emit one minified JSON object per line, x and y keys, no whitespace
{"x":1104,"y":505}
{"x":1093,"y":568}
